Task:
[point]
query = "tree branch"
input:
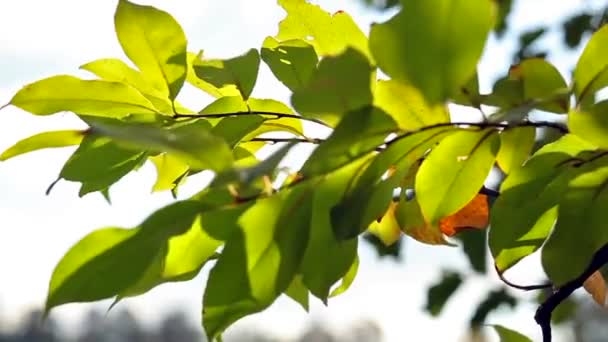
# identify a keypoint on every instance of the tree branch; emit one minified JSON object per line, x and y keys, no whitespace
{"x":499,"y":125}
{"x":543,"y":314}
{"x":277,"y":115}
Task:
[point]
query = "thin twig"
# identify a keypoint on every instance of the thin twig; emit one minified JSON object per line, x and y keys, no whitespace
{"x":543,"y":314}
{"x":522,"y":287}
{"x":277,"y":115}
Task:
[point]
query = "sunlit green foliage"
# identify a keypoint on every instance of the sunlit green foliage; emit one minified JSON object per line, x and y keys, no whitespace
{"x":394,"y":163}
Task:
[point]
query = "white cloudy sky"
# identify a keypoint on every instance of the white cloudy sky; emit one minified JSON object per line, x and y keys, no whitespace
{"x":42,"y":38}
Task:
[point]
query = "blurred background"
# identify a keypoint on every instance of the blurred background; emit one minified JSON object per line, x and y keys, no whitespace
{"x":408,"y":291}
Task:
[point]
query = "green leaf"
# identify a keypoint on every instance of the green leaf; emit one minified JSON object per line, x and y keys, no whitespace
{"x":226,"y":90}
{"x":115,"y":70}
{"x":292,"y":61}
{"x":493,"y":301}
{"x":370,"y":194}
{"x":169,"y":170}
{"x":454,"y":171}
{"x":234,"y":128}
{"x":515,"y":147}
{"x":508,"y":335}
{"x":591,"y":71}
{"x":427,"y":34}
{"x":41,"y":141}
{"x":183,"y":255}
{"x":259,"y":261}
{"x":108,"y":261}
{"x":330,"y":34}
{"x":579,"y":232}
{"x":298,"y":292}
{"x":524,"y":213}
{"x":290,"y":125}
{"x":194,"y":143}
{"x":438,"y":294}
{"x":340,"y":84}
{"x":542,"y":82}
{"x":407,"y":105}
{"x":358,"y":134}
{"x":90,"y":97}
{"x":347,"y":280}
{"x":327,"y":259}
{"x":241,"y":71}
{"x":155,"y":43}
{"x":98,"y":163}
{"x":591,"y":123}
{"x":474,"y":245}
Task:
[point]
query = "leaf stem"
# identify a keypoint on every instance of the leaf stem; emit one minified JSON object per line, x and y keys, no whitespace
{"x":521,"y":287}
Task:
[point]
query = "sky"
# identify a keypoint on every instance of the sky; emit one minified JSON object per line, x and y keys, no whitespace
{"x":43,"y":38}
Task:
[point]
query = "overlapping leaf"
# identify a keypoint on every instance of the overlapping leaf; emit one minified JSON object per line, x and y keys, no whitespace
{"x":522,"y":216}
{"x":291,"y":61}
{"x":515,"y":148}
{"x":340,"y":84}
{"x":591,"y":72}
{"x":358,"y":134}
{"x":581,"y":216}
{"x":240,"y":71}
{"x":330,"y":34}
{"x":43,"y":140}
{"x":98,"y":163}
{"x":259,"y":261}
{"x":109,"y":261}
{"x":427,"y":34}
{"x":407,"y":105}
{"x":591,"y":123}
{"x":155,"y":43}
{"x":454,"y":171}
{"x":91,"y":97}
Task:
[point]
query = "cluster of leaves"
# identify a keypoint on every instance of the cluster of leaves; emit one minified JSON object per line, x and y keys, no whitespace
{"x":394,"y":163}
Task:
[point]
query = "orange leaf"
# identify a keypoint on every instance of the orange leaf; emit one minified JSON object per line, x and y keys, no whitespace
{"x":596,"y":287}
{"x":412,"y":223}
{"x":474,"y":215}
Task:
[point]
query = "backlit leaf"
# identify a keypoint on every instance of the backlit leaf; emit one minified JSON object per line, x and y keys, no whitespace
{"x":194,"y":143}
{"x":595,"y":285}
{"x":524,"y":213}
{"x":413,"y":224}
{"x":358,"y":134}
{"x":41,"y":141}
{"x":454,"y":171}
{"x":473,"y":215}
{"x":387,"y":227}
{"x":508,"y":335}
{"x":515,"y":147}
{"x":109,"y":260}
{"x":241,"y":71}
{"x":591,"y":123}
{"x":90,"y":97}
{"x":542,"y":81}
{"x":115,"y":70}
{"x":155,"y":43}
{"x":347,"y":280}
{"x":98,"y":163}
{"x":340,"y":84}
{"x":169,"y":169}
{"x":327,"y":259}
{"x":298,"y":292}
{"x":579,"y":232}
{"x":291,"y":61}
{"x":591,"y":72}
{"x":407,"y":105}
{"x":259,"y":261}
{"x":427,"y":34}
{"x":217,"y":92}
{"x":330,"y":34}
